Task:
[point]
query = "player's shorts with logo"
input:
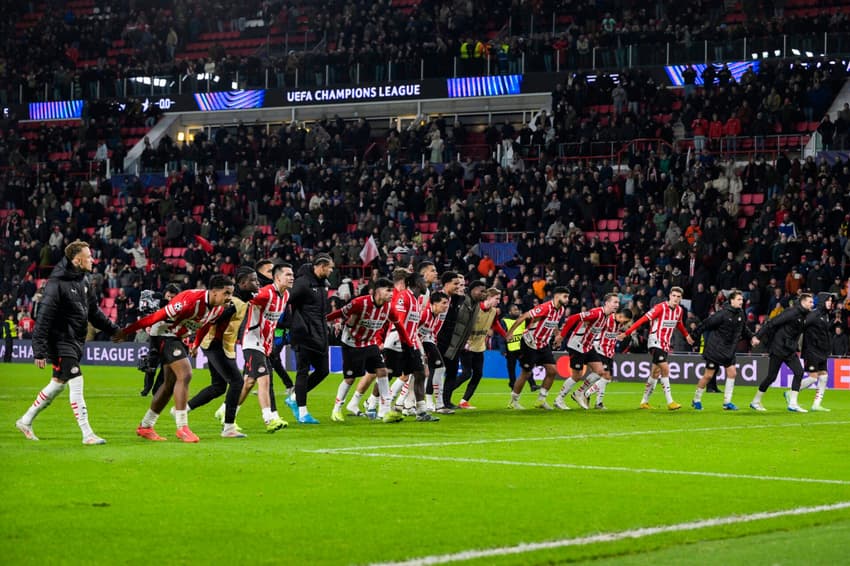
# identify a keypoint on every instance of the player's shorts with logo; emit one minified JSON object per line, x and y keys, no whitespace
{"x":659,"y":356}
{"x":815,"y":365}
{"x":714,"y":363}
{"x":172,"y":350}
{"x":529,"y":358}
{"x":357,"y":362}
{"x":577,"y":359}
{"x":408,"y":361}
{"x":65,"y":368}
{"x":256,"y":364}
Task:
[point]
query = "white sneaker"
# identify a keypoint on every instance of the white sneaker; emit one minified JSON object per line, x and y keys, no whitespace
{"x":515,"y":405}
{"x":819,"y":409}
{"x":797,"y":409}
{"x":219,"y":414}
{"x":757,"y":407}
{"x":580,"y":399}
{"x":26,"y":429}
{"x":559,"y":404}
{"x":542,"y":404}
{"x":93,"y":439}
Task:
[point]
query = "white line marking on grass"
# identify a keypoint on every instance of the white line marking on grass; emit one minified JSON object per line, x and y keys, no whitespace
{"x":569,"y":437}
{"x":595,"y":468}
{"x":523,"y":548}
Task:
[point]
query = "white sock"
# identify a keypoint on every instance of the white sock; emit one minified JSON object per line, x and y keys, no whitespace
{"x":372,"y":403}
{"x":223,"y":408}
{"x":341,"y":392}
{"x":665,"y":384}
{"x":647,"y":391}
{"x":437,"y":382}
{"x":821,"y":390}
{"x":542,"y":393}
{"x":698,"y":394}
{"x":757,"y":398}
{"x":78,"y":405}
{"x":589,"y":380}
{"x":514,"y":397}
{"x":409,"y":399}
{"x":420,"y":407}
{"x":354,"y":404}
{"x":792,"y":398}
{"x":43,"y":400}
{"x":182,"y":418}
{"x":600,"y":393}
{"x":229,"y":427}
{"x":275,"y":415}
{"x":728,"y":389}
{"x":397,"y":387}
{"x":807,"y":382}
{"x":302,"y":412}
{"x":267,"y":414}
{"x":566,"y":387}
{"x":386,"y":396}
{"x":149,"y":420}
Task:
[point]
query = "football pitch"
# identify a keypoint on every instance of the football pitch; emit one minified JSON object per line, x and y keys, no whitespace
{"x":489,"y":486}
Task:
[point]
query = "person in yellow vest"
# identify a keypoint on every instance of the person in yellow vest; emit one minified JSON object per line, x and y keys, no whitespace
{"x":472,"y":358}
{"x":512,"y":347}
{"x":219,"y":346}
{"x":10,"y":332}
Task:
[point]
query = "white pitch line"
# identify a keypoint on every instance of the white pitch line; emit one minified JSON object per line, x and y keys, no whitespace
{"x":569,"y":437}
{"x":523,"y":548}
{"x":594,"y":467}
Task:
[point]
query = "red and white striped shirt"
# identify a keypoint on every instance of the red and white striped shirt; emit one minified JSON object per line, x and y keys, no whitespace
{"x":363,"y":321}
{"x":406,"y":308}
{"x":665,"y":319}
{"x":430,"y":326}
{"x":184,"y":314}
{"x":264,"y":311}
{"x":545,"y":319}
{"x":607,"y":343}
{"x":590,"y":325}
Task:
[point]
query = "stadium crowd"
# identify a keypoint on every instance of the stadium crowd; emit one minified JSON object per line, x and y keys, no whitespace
{"x":87,"y":49}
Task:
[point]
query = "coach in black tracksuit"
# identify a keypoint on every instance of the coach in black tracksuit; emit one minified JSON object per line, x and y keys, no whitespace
{"x":782,"y":333}
{"x":460,"y":319}
{"x":309,"y":302}
{"x":727,"y":326}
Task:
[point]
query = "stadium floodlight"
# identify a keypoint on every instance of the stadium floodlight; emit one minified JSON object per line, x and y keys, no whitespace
{"x":181,"y":136}
{"x":777,"y":52}
{"x":795,"y":52}
{"x":755,"y":55}
{"x":234,"y":85}
{"x":765,"y":54}
{"x":809,"y":54}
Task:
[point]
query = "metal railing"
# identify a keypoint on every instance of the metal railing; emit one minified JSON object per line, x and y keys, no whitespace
{"x":312,"y":71}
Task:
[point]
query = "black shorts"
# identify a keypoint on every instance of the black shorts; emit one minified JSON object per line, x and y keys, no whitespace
{"x":357,"y":362}
{"x":65,"y":369}
{"x":433,"y":356}
{"x":815,"y":365}
{"x":607,"y":363}
{"x":256,"y":364}
{"x":717,"y":364}
{"x":172,"y":350}
{"x":577,"y":359}
{"x":659,"y":356}
{"x":529,"y":358}
{"x":403,"y":363}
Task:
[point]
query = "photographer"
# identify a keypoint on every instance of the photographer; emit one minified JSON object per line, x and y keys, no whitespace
{"x":150,"y":302}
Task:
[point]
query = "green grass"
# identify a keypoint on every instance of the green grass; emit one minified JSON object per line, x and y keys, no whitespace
{"x":483,"y":479}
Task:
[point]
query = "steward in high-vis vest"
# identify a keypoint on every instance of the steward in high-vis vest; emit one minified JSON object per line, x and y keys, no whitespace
{"x":513,"y":344}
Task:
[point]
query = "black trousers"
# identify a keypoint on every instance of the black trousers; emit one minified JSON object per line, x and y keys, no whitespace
{"x":277,"y":365}
{"x":305,"y":381}
{"x":473,"y":371}
{"x":450,"y":380}
{"x":7,"y":353}
{"x":224,"y":377}
{"x":793,"y":363}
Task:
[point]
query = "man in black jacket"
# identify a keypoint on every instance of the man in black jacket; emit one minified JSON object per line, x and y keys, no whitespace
{"x":309,"y":303}
{"x":782,"y":333}
{"x":69,"y":304}
{"x":727,"y":327}
{"x":817,"y":345}
{"x":460,"y":319}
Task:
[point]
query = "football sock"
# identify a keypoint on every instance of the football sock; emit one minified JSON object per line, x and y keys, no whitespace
{"x":542,"y":393}
{"x":341,"y":392}
{"x":384,"y":390}
{"x":182,"y":418}
{"x":665,"y":384}
{"x":267,"y":414}
{"x":698,"y":394}
{"x":78,"y":405}
{"x":149,"y":420}
{"x":807,"y":382}
{"x":354,"y":404}
{"x":727,"y":391}
{"x":757,"y":398}
{"x":43,"y":400}
{"x":437,"y":382}
{"x":821,"y":390}
{"x":792,"y":398}
{"x":600,"y":393}
{"x":647,"y":391}
{"x":566,"y":387}
{"x":514,"y":396}
{"x":396,"y":390}
{"x":302,"y":412}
